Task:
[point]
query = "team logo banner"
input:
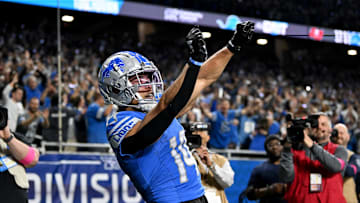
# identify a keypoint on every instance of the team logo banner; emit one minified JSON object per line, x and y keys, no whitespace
{"x":98,"y":178}
{"x":80,"y":179}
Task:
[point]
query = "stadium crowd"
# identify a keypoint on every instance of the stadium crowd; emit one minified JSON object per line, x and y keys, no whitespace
{"x":246,"y":107}
{"x":259,"y":101}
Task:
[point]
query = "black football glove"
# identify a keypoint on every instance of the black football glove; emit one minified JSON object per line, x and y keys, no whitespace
{"x":242,"y":35}
{"x":197,"y":46}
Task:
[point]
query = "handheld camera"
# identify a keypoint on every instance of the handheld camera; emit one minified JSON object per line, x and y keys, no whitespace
{"x":295,"y":132}
{"x":194,"y":140}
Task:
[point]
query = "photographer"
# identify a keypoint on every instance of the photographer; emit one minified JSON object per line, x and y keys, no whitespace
{"x":15,"y":157}
{"x":216,"y":172}
{"x":340,"y":135}
{"x":313,"y":168}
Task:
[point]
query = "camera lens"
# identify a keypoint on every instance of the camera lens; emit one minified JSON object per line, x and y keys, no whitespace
{"x":334,"y":133}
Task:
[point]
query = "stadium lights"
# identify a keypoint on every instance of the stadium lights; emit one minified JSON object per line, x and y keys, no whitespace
{"x":352,"y":52}
{"x":206,"y":35}
{"x":261,"y":41}
{"x":67,"y":18}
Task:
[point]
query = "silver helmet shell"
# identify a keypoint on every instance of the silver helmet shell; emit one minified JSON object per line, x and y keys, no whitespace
{"x":114,"y":82}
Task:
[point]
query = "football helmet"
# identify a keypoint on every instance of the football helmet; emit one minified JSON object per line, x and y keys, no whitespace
{"x":121,"y":76}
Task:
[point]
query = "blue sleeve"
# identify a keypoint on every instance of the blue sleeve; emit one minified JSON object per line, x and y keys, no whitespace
{"x":117,"y":126}
{"x":162,"y":121}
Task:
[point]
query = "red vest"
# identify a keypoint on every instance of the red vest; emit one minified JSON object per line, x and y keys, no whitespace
{"x":299,"y":190}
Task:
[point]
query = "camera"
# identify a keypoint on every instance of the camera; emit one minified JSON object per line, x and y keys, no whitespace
{"x":3,"y":117}
{"x":334,"y":134}
{"x":194,"y":140}
{"x":295,"y":132}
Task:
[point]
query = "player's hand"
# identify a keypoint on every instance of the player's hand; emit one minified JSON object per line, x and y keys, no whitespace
{"x":242,"y":35}
{"x":196,"y":45}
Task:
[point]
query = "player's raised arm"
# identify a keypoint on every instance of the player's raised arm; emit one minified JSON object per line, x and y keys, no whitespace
{"x":211,"y":70}
{"x":198,"y":55}
{"x":179,"y":98}
{"x":173,"y":100}
{"x":136,"y":86}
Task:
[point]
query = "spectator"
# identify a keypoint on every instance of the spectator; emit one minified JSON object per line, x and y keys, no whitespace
{"x":80,"y":121}
{"x":248,"y":118}
{"x":30,"y":122}
{"x":342,"y":137}
{"x":13,"y":102}
{"x":350,"y":116}
{"x":96,"y":120}
{"x":50,"y":90}
{"x":223,"y":121}
{"x":257,"y":141}
{"x":264,"y":183}
{"x":274,"y":126}
{"x":314,"y":171}
{"x":32,"y":89}
{"x":216,"y":172}
{"x":51,"y":134}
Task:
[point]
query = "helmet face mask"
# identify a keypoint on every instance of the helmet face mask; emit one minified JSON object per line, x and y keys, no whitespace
{"x":123,"y":74}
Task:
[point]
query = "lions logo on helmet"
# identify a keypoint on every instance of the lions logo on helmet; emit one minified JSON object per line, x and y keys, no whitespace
{"x":116,"y":87}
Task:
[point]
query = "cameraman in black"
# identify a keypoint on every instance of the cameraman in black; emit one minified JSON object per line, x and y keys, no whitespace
{"x":15,"y":157}
{"x":311,"y":164}
{"x":216,"y":172}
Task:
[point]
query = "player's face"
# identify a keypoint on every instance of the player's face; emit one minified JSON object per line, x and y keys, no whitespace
{"x":145,"y":91}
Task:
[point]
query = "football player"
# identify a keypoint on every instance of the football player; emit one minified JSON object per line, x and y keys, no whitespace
{"x":145,"y":135}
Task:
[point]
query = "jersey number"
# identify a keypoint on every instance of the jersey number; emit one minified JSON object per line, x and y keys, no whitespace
{"x":184,"y":150}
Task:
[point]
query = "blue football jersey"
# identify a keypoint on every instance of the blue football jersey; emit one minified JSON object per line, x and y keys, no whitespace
{"x":162,"y":172}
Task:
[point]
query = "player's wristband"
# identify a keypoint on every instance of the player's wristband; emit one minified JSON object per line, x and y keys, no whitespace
{"x":234,"y":49}
{"x":196,"y":63}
